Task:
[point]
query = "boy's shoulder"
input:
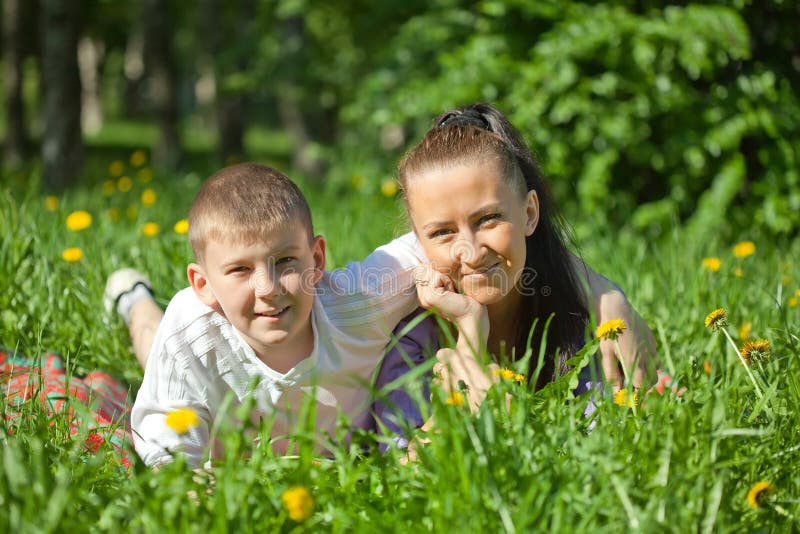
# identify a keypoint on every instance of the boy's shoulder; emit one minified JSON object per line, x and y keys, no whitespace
{"x":185,"y":303}
{"x":187,"y":319}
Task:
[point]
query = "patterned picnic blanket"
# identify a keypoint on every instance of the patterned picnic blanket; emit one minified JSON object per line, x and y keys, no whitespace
{"x":24,"y":379}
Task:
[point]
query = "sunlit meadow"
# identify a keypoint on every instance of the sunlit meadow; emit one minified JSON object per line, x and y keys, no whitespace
{"x":717,"y":449}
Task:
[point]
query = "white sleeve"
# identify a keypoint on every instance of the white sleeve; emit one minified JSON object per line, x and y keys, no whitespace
{"x":370,"y":297}
{"x":169,"y":385}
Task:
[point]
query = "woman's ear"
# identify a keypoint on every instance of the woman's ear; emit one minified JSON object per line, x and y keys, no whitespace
{"x":202,"y":288}
{"x":532,"y":212}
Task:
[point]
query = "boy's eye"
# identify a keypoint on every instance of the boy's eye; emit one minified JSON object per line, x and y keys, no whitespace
{"x":284,"y":260}
{"x":239,"y":269}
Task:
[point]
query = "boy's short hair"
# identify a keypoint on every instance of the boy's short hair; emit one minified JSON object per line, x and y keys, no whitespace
{"x":244,"y":203}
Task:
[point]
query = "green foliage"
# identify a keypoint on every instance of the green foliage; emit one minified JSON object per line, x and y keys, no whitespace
{"x":635,"y":113}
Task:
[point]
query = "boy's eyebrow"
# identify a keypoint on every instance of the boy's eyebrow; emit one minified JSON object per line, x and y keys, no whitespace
{"x":277,"y":251}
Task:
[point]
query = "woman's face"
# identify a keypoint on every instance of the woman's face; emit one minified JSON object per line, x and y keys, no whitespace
{"x":472,"y":226}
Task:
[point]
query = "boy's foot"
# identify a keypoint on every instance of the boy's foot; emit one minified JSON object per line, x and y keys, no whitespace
{"x":123,"y":288}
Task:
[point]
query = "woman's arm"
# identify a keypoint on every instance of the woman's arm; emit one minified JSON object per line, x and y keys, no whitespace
{"x":460,"y":365}
{"x":634,"y":348}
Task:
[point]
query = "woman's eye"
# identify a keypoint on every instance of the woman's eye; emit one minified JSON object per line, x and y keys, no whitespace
{"x":488,"y":218}
{"x":438,"y":233}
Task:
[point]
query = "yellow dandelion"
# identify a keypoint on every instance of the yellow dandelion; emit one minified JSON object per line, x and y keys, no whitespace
{"x":456,"y":398}
{"x":744,"y":330}
{"x":181,"y":227}
{"x":792,"y":302}
{"x":182,"y":420}
{"x":505,"y":373}
{"x":124,"y":184}
{"x":112,"y":214}
{"x":116,"y":169}
{"x":132,"y":211}
{"x":72,"y":254}
{"x":389,"y":187}
{"x":758,"y":492}
{"x":623,"y":398}
{"x":755,"y":351}
{"x":145,"y":175}
{"x":611,"y":329}
{"x":79,"y":220}
{"x":148,"y":197}
{"x":744,"y":249}
{"x":138,"y":158}
{"x":797,"y":293}
{"x":298,"y":502}
{"x":51,"y":203}
{"x":738,"y":273}
{"x":707,"y":367}
{"x":108,"y":188}
{"x":712,"y":264}
{"x":519,"y":377}
{"x":716,"y":319}
{"x":150,"y":229}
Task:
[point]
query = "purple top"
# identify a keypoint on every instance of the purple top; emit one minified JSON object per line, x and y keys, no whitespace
{"x":395,"y":409}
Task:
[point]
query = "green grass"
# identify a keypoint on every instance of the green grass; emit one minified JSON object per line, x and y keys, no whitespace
{"x":673,"y":464}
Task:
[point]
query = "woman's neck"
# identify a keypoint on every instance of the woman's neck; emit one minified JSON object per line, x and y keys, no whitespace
{"x":503,"y":325}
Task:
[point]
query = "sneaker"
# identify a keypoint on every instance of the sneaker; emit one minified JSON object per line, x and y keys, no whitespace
{"x":121,"y":282}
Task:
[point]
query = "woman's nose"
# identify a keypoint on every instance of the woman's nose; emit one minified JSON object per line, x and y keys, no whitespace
{"x":467,"y":249}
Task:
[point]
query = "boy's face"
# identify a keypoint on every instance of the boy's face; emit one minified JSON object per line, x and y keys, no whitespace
{"x":266,"y":290}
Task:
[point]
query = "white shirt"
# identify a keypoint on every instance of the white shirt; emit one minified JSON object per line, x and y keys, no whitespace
{"x":199,"y":361}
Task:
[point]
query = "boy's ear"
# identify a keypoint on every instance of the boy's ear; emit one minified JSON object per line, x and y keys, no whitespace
{"x":532,"y":212}
{"x":200,"y":285}
{"x":318,"y":251}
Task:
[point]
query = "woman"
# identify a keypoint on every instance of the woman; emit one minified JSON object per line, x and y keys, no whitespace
{"x":499,"y":266}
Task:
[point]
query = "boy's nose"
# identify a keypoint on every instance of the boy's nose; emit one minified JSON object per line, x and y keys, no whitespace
{"x":263,"y":284}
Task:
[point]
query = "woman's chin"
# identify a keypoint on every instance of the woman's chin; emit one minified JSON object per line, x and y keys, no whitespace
{"x":486,"y":296}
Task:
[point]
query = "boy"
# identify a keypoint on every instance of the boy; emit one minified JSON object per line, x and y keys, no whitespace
{"x":262,"y":318}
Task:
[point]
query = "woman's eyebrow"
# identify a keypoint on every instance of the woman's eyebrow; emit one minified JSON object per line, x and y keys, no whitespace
{"x":483,"y":210}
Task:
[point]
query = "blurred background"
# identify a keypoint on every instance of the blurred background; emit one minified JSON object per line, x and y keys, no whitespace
{"x":644,"y":115}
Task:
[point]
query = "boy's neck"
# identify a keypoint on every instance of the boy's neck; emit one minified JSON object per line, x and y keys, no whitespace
{"x":283,"y":358}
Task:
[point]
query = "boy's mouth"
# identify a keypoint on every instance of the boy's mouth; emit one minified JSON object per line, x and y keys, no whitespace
{"x":273,"y":314}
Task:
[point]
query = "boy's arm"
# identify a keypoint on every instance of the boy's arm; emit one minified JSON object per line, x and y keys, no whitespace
{"x":170,"y":415}
{"x":370,"y":297}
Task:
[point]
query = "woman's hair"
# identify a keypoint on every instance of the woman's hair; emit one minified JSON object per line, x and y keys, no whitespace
{"x":478,"y":134}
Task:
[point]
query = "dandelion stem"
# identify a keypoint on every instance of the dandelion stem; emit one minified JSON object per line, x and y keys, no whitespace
{"x":625,"y":372}
{"x":744,"y":364}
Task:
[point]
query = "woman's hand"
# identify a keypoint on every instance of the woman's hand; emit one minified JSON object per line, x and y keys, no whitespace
{"x":457,"y":371}
{"x":436,"y":291}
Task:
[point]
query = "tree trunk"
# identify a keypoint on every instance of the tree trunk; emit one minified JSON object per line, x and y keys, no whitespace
{"x":15,"y":146}
{"x":163,"y":81}
{"x":134,"y":74}
{"x":222,"y":28}
{"x":303,"y":157}
{"x":62,"y":145}
{"x":90,"y":57}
